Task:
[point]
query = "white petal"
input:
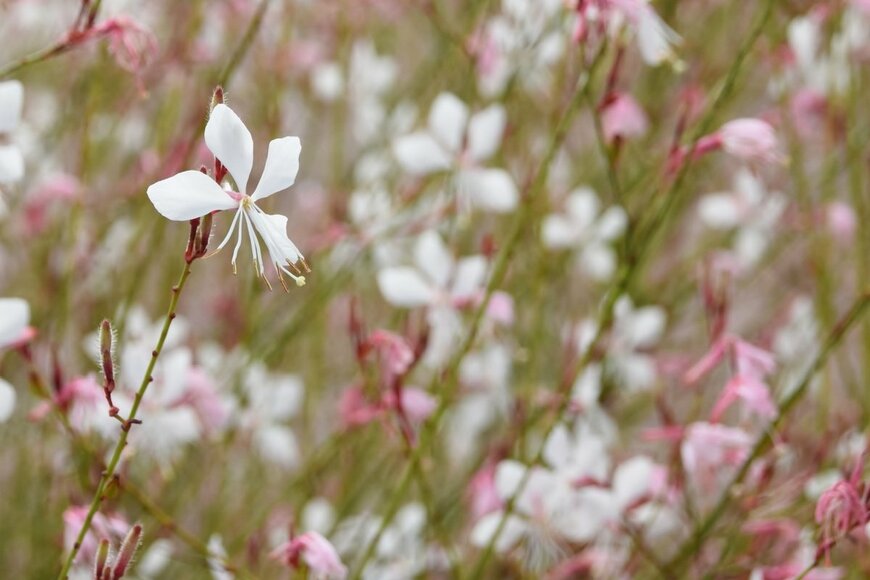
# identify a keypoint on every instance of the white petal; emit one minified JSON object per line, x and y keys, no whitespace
{"x":632,"y":480}
{"x":277,"y":445}
{"x":405,"y":287}
{"x":599,"y":261}
{"x":469,"y":279}
{"x":419,"y":154}
{"x":231,"y":143}
{"x":282,"y":165}
{"x":447,"y":120}
{"x":486,"y":527}
{"x":7,"y":400}
{"x":582,"y":206}
{"x":509,"y":475}
{"x":11,"y":164}
{"x":11,"y":101}
{"x":188,"y":195}
{"x":14,"y":318}
{"x":273,"y":230}
{"x":719,"y":211}
{"x":485,"y":132}
{"x":646,"y":325}
{"x":558,"y":448}
{"x":432,"y":256}
{"x":612,"y":223}
{"x":489,"y":189}
{"x":559,"y":232}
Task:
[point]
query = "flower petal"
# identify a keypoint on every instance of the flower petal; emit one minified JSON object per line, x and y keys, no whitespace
{"x":11,"y":164}
{"x":485,"y":132}
{"x":188,"y":195}
{"x":282,"y":165}
{"x":470,"y":277}
{"x":11,"y":101}
{"x":432,"y":256}
{"x":447,"y":120}
{"x":405,"y":287}
{"x":7,"y":400}
{"x":490,"y":189}
{"x":419,"y":154}
{"x":14,"y":318}
{"x":231,"y":142}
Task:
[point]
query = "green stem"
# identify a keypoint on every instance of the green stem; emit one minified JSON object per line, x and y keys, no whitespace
{"x":109,"y":473}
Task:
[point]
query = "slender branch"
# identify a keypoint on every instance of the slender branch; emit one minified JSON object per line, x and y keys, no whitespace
{"x":109,"y":472}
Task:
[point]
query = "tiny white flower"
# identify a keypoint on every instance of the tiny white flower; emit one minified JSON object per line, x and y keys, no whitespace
{"x":457,"y":141}
{"x":581,"y":226}
{"x":192,"y":194}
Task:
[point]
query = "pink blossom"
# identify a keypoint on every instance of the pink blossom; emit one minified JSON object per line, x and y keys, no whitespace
{"x":751,"y":365}
{"x":355,"y":409}
{"x":751,"y":140}
{"x":622,"y":117}
{"x":131,"y":45}
{"x":397,"y":354}
{"x":315,"y":551}
{"x":843,"y":507}
{"x":417,"y":404}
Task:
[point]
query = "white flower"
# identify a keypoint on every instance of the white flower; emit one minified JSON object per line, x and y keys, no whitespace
{"x":439,"y":283}
{"x":272,"y":400}
{"x":11,"y":102}
{"x":582,"y":227}
{"x":750,"y":209}
{"x":191,"y":194}
{"x":14,"y":321}
{"x":526,"y":36}
{"x":453,"y":141}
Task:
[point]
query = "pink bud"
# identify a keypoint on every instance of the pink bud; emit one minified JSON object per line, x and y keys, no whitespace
{"x":317,"y":553}
{"x":623,"y":117}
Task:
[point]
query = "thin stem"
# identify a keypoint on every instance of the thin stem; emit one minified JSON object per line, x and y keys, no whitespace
{"x":109,"y":473}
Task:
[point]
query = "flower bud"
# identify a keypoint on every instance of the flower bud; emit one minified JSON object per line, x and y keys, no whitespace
{"x":128,"y":551}
{"x":102,"y":558}
{"x":217,"y":97}
{"x":107,"y":341}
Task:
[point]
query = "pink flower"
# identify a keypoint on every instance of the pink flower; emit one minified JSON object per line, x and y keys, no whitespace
{"x":417,"y":404}
{"x":843,"y":507}
{"x":623,"y":118}
{"x":131,"y":45}
{"x":751,"y":365}
{"x":397,"y":354}
{"x":355,"y":409}
{"x":315,"y":551}
{"x":751,"y":140}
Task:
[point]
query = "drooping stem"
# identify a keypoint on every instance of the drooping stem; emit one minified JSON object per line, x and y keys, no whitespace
{"x":131,"y":420}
